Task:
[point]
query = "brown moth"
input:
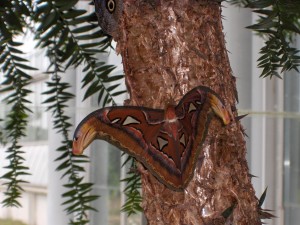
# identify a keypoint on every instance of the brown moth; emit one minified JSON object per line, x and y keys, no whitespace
{"x":167,"y":142}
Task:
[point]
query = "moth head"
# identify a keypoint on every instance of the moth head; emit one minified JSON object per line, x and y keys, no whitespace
{"x":219,"y":108}
{"x":109,"y":13}
{"x":84,"y":134}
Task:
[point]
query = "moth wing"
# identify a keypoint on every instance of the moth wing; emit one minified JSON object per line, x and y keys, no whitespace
{"x":133,"y":122}
{"x":141,"y":132}
{"x":192,"y":113}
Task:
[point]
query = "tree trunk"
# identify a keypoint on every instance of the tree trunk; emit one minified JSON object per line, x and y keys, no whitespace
{"x":168,"y":48}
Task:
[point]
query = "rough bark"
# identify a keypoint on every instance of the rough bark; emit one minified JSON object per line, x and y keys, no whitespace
{"x":169,"y":47}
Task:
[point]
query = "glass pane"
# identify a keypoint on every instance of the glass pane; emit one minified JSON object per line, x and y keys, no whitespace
{"x":292,"y":171}
{"x":105,"y":173}
{"x":114,"y":185}
{"x":292,"y":150}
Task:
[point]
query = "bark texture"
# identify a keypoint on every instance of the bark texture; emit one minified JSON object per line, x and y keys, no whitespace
{"x":169,"y":47}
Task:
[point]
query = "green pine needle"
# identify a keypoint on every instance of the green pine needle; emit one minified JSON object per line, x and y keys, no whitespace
{"x":132,"y":190}
{"x":278,"y":23}
{"x":65,"y":32}
{"x":228,"y":212}
{"x":262,"y":198}
{"x":16,"y":120}
{"x":264,"y":213}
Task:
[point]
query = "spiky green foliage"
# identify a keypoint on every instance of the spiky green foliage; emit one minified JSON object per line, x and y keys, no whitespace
{"x":77,"y":196}
{"x":278,"y":21}
{"x":264,"y":213}
{"x":14,"y":67}
{"x":133,"y":201}
{"x":73,"y":30}
{"x":13,"y":16}
{"x":228,"y":212}
{"x":66,"y":33}
{"x":16,"y":73}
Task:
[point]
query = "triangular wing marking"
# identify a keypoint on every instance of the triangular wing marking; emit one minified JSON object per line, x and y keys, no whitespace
{"x":115,"y":120}
{"x":182,"y":140}
{"x":130,"y":120}
{"x":161,"y":143}
{"x":192,"y":107}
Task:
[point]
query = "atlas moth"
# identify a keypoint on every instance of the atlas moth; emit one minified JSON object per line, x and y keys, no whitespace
{"x":167,"y":142}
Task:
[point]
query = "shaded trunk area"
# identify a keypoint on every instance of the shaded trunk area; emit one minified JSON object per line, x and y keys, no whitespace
{"x":168,"y":48}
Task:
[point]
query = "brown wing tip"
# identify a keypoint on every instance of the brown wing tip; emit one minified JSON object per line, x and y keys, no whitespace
{"x":220,"y":109}
{"x":76,"y":150}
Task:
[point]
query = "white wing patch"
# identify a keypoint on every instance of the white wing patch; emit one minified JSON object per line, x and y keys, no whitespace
{"x":192,"y":107}
{"x":161,"y":143}
{"x":115,"y":120}
{"x":182,"y":140}
{"x":130,"y":120}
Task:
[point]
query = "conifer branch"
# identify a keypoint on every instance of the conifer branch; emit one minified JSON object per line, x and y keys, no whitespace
{"x":278,"y":22}
{"x":16,"y":81}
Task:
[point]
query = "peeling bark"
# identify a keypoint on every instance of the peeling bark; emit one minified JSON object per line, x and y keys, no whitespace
{"x":169,"y":47}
